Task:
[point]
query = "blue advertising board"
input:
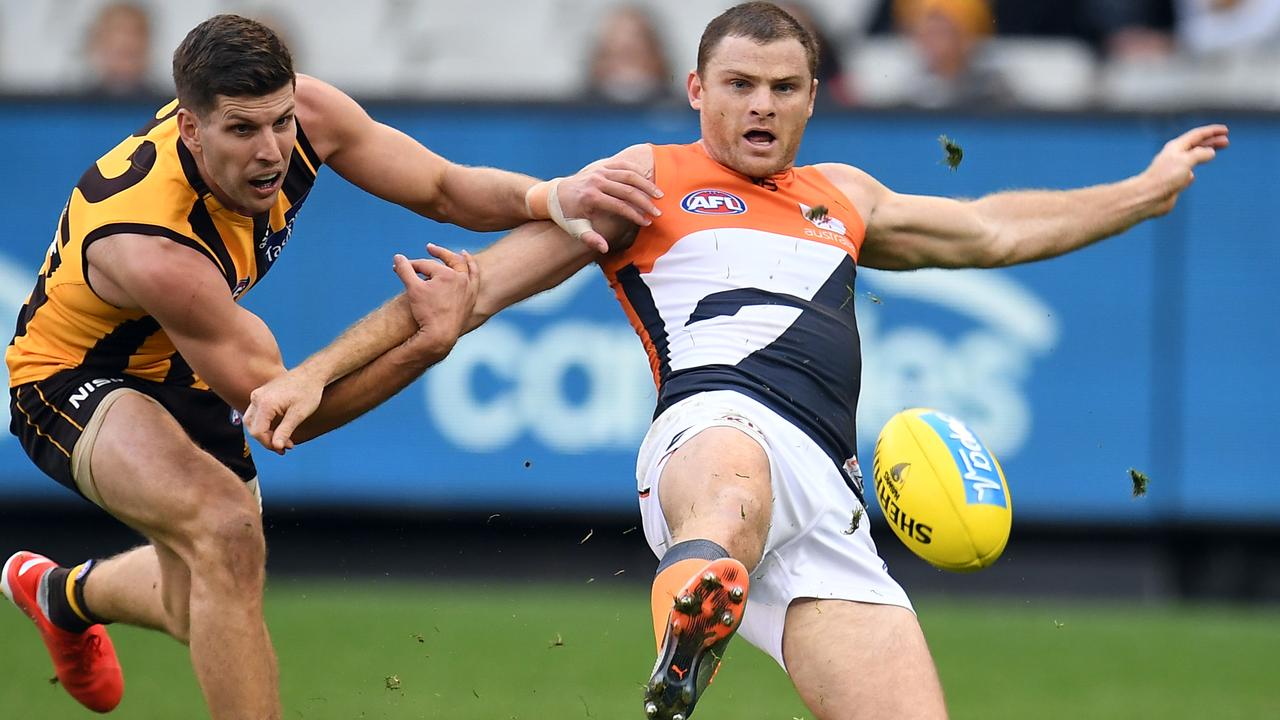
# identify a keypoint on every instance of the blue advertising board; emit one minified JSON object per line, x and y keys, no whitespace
{"x":1154,"y":350}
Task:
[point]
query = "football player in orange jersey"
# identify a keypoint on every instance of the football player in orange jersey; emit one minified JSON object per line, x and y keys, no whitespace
{"x":132,"y":358}
{"x":747,"y":475}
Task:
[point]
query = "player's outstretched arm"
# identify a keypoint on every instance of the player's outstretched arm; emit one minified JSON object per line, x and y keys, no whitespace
{"x":393,"y":345}
{"x":910,"y":231}
{"x":297,"y":405}
{"x":395,"y":167}
{"x":532,"y":258}
{"x":229,"y":347}
{"x":367,"y":339}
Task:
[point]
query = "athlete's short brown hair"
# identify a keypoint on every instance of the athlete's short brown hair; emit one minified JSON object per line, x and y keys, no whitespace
{"x":229,"y":55}
{"x":762,"y":22}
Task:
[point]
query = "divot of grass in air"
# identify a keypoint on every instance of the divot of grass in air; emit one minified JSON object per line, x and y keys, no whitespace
{"x":954,"y":153}
{"x":1140,"y":481}
{"x":855,"y":522}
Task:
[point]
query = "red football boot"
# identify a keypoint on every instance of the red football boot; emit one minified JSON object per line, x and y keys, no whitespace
{"x":85,"y":662}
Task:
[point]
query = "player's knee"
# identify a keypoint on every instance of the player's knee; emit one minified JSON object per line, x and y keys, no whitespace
{"x":235,"y":538}
{"x":737,"y":522}
{"x":745,"y":547}
{"x":230,"y":545}
{"x":735,"y":516}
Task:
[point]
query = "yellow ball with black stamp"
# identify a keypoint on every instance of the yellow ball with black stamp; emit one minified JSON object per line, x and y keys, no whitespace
{"x":942,"y":490}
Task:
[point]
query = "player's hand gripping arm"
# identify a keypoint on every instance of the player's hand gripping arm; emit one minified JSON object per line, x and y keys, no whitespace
{"x":395,"y":167}
{"x":297,"y":406}
{"x":530,"y":259}
{"x":910,"y":231}
{"x":534,"y":257}
{"x":539,"y":256}
{"x":370,"y":337}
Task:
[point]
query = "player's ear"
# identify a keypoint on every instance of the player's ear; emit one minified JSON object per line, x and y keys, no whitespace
{"x":813,"y":95}
{"x":189,"y":129}
{"x":695,"y":90}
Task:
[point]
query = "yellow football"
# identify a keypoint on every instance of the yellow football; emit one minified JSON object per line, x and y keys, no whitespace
{"x":942,"y":491}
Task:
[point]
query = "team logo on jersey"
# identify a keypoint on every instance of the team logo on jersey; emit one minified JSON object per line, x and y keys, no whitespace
{"x":272,"y":243}
{"x":822,"y":220}
{"x":713,"y":202}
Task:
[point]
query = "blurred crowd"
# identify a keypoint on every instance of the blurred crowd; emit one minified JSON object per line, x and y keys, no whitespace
{"x":983,"y":54}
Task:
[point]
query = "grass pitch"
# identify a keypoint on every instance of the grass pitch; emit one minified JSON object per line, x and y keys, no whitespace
{"x":362,"y":649}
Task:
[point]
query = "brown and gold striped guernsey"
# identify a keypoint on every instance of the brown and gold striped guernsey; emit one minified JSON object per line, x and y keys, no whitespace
{"x":146,"y":185}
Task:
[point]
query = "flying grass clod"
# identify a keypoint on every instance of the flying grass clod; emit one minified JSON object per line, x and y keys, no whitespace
{"x":954,"y":153}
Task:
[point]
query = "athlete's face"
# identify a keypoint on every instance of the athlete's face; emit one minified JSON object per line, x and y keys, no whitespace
{"x":754,"y":100}
{"x":242,"y":147}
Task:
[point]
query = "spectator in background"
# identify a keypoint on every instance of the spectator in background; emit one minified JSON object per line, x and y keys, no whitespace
{"x":629,"y":65}
{"x":1136,"y":30}
{"x":1228,"y":26}
{"x":282,"y":23}
{"x":834,"y":86}
{"x":118,"y":51}
{"x":1119,"y":29}
{"x":1125,"y":29}
{"x":948,"y":35}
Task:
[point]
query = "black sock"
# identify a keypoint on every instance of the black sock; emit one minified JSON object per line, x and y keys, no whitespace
{"x":691,"y":549}
{"x":62,"y":613}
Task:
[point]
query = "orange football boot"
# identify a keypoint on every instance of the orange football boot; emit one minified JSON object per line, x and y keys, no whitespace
{"x":706,"y":613}
{"x":85,"y":663}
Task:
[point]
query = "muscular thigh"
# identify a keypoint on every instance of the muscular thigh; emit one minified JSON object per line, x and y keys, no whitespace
{"x":717,"y":486}
{"x":58,"y":421}
{"x":853,"y":660}
{"x":151,"y":474}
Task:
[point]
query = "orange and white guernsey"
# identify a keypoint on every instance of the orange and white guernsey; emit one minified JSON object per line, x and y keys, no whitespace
{"x":747,"y":285}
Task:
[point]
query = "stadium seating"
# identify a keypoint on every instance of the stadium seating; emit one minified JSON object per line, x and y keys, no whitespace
{"x":539,"y":49}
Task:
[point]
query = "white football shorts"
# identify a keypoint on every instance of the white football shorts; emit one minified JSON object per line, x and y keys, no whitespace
{"x":810,"y":551}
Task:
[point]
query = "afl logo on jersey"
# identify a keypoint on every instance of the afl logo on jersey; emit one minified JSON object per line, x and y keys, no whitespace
{"x":713,"y":202}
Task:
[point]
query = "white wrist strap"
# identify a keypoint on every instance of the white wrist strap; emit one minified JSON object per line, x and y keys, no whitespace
{"x":576,"y":227}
